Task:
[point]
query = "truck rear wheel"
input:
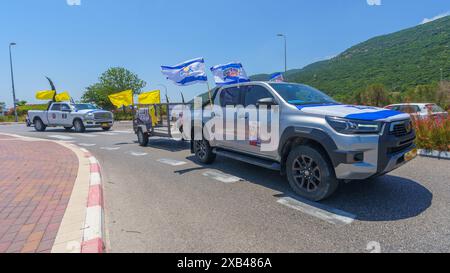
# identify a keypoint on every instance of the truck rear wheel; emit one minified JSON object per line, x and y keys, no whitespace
{"x":310,"y":174}
{"x":39,"y":125}
{"x":204,"y":152}
{"x":142,"y":138}
{"x":79,"y":126}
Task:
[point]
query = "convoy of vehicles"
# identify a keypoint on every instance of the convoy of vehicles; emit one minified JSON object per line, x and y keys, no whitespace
{"x":71,"y":115}
{"x":420,"y":110}
{"x":321,"y":142}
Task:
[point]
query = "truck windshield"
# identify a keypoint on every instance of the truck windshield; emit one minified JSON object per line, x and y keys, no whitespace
{"x":85,"y":106}
{"x":300,"y":94}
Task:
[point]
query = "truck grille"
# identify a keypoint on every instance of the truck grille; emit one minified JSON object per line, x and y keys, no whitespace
{"x":103,"y":116}
{"x":401,"y":129}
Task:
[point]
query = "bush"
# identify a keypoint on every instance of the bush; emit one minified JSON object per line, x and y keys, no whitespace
{"x":120,"y":115}
{"x":11,"y":118}
{"x":23,"y":110}
{"x":433,"y":133}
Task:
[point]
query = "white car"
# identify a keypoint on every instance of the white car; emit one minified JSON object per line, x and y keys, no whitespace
{"x":419,"y":110}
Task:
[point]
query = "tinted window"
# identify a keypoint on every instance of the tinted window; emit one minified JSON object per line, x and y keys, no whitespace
{"x":300,"y":94}
{"x":434,"y":108}
{"x":65,"y":107}
{"x":254,"y":93}
{"x":230,"y":96}
{"x":85,"y":106}
{"x":410,"y":109}
{"x":56,"y":107}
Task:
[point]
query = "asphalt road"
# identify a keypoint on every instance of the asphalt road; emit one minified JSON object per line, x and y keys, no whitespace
{"x":159,"y":199}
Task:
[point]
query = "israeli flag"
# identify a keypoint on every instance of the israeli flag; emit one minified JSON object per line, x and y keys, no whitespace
{"x":187,"y":73}
{"x":231,"y":73}
{"x":277,"y":77}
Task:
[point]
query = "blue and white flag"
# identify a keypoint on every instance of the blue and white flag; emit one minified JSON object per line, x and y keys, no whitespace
{"x":277,"y":77}
{"x":229,"y":74}
{"x":187,"y":73}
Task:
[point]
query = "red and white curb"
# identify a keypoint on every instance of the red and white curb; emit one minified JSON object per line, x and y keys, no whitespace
{"x":93,"y":228}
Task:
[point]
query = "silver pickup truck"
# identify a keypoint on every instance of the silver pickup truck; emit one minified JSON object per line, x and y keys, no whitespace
{"x":70,"y":115}
{"x":320,"y":142}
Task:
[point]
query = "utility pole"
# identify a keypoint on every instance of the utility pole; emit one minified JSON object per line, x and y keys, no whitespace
{"x":16,"y":118}
{"x":285,"y":51}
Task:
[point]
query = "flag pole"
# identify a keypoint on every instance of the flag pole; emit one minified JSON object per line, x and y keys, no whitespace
{"x":209,"y":93}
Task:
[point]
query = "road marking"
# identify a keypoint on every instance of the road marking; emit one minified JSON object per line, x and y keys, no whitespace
{"x":107,"y":134}
{"x":138,"y":154}
{"x":123,"y":132}
{"x":88,"y":135}
{"x":171,"y":162}
{"x":225,"y":178}
{"x":330,"y":215}
{"x":110,"y":148}
{"x":61,"y":137}
{"x":86,"y":144}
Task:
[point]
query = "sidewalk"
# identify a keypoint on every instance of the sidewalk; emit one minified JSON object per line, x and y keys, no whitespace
{"x":44,"y":189}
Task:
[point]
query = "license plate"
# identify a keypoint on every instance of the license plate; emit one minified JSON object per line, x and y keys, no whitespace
{"x":411,"y":155}
{"x":105,"y":124}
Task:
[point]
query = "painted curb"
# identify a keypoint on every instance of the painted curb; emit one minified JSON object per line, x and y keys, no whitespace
{"x":435,"y":154}
{"x":93,"y":232}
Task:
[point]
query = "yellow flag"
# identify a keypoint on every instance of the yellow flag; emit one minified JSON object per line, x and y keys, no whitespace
{"x":153,"y":115}
{"x":62,"y":97}
{"x":153,"y":97}
{"x":45,"y":95}
{"x":124,"y":98}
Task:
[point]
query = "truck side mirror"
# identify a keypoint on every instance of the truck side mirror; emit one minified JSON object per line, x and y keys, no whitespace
{"x":267,"y":102}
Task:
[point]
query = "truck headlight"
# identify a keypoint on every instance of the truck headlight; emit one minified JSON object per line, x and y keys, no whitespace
{"x":349,"y":127}
{"x":89,"y":116}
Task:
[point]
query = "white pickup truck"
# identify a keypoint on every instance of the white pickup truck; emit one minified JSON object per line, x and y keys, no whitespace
{"x":70,"y":115}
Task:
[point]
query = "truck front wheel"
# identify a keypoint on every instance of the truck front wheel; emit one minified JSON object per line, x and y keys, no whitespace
{"x":204,"y":152}
{"x":310,"y":174}
{"x":39,"y":125}
{"x":79,"y":126}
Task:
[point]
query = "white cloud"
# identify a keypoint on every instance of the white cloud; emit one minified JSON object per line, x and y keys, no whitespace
{"x":427,"y":20}
{"x":374,"y":2}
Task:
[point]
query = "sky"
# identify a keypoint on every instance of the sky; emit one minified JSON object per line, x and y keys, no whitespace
{"x":74,"y":41}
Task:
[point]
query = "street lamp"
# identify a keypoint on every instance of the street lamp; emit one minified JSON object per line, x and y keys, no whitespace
{"x":285,"y":51}
{"x":12,"y":81}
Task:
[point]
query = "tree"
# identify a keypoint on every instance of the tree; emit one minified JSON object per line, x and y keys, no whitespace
{"x":21,"y":103}
{"x":114,"y":80}
{"x":374,"y":95}
{"x":443,"y":94}
{"x":422,"y":93}
{"x":2,"y":108}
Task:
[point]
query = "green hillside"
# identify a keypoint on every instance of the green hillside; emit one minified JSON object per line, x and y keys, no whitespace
{"x":399,"y":61}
